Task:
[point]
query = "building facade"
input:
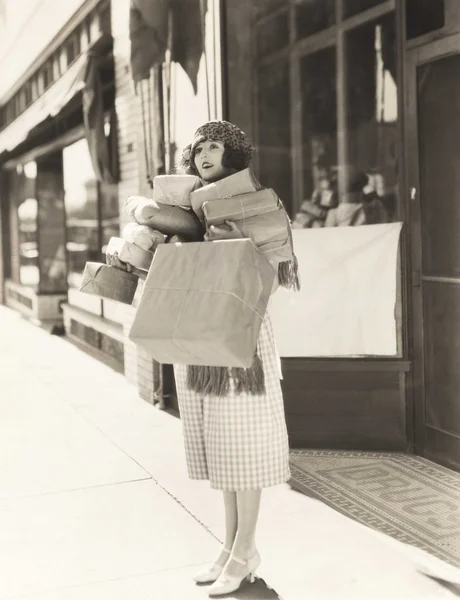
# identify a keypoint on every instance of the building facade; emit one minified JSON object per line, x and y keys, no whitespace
{"x":353,"y":108}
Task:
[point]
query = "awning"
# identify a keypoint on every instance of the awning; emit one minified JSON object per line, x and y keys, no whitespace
{"x":48,"y":105}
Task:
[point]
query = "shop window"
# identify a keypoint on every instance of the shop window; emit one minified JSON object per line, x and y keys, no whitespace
{"x":371,"y":170}
{"x":91,"y":211}
{"x":23,"y":195}
{"x":81,"y":210}
{"x":423,"y":16}
{"x":352,"y":7}
{"x":318,"y":77}
{"x":313,"y":16}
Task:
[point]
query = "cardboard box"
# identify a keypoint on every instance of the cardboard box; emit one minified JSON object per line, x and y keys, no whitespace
{"x":241,"y":207}
{"x":260,"y":217}
{"x":108,"y":282}
{"x":175,"y":189}
{"x":242,"y":182}
{"x":203,"y":303}
{"x":143,"y":236}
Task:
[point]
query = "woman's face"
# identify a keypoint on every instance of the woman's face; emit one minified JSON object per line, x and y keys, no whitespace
{"x":208,"y":161}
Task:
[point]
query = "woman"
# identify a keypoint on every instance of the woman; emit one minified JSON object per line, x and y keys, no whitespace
{"x":237,"y":438}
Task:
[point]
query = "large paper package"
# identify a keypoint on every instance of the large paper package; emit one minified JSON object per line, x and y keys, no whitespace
{"x":259,"y":216}
{"x":109,"y":282}
{"x":203,"y":303}
{"x":169,"y":220}
{"x":130,"y":253}
{"x":175,"y":189}
{"x":242,"y":182}
{"x":143,"y":236}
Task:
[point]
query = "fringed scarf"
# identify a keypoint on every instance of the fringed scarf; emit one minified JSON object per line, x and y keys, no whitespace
{"x":215,"y":381}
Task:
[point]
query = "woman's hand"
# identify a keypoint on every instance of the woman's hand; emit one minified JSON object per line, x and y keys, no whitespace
{"x":113,"y":261}
{"x":217,"y":233}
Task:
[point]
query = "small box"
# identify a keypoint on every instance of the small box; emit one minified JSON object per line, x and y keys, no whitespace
{"x":109,"y":282}
{"x":242,"y":182}
{"x":175,"y":189}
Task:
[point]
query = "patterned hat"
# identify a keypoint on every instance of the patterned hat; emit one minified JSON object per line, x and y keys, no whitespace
{"x":223,"y":131}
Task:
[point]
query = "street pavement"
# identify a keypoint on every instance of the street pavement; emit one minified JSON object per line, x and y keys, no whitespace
{"x":95,"y":502}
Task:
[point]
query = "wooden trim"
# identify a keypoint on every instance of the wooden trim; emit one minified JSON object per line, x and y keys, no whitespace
{"x":433,"y":279}
{"x":350,"y":364}
{"x":415,"y":57}
{"x":443,"y":431}
{"x":370,"y":14}
{"x":436,"y":49}
{"x":413,"y":180}
{"x":296,"y":120}
{"x":341,"y":100}
{"x":451,"y":27}
{"x":313,"y":43}
{"x":65,"y":140}
{"x":109,"y":328}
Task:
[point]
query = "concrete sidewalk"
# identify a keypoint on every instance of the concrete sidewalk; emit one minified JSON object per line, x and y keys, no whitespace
{"x":95,"y":502}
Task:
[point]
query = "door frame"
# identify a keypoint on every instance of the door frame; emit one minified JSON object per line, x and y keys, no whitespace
{"x":415,"y":57}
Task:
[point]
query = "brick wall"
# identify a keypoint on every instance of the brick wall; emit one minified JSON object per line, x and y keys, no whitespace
{"x":139,"y":367}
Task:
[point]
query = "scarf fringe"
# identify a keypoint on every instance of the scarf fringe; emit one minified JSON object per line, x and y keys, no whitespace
{"x":215,"y":381}
{"x":288,"y":274}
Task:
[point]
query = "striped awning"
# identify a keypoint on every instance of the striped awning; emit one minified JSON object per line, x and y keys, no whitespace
{"x":49,"y":104}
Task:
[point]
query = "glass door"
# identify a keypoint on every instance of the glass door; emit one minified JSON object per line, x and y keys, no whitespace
{"x":433,"y":158}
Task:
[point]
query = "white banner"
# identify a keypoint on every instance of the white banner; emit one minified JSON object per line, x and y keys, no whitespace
{"x":346,"y":306}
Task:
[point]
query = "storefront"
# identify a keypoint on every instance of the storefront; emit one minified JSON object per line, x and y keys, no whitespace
{"x":59,"y":172}
{"x":352,"y":105}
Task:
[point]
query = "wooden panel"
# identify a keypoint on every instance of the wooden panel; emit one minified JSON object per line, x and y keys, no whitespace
{"x":344,"y":409}
{"x":442,"y":356}
{"x":442,"y":448}
{"x":439,"y":153}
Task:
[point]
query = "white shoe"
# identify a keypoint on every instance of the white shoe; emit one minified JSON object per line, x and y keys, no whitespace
{"x":211,"y":574}
{"x":226,"y":584}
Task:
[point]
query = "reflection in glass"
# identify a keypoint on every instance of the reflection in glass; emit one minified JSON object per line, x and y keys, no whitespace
{"x":318,"y":76}
{"x":423,"y":16}
{"x":352,"y":7}
{"x":23,"y":192}
{"x":371,"y":172}
{"x":313,"y":16}
{"x":82,"y":212}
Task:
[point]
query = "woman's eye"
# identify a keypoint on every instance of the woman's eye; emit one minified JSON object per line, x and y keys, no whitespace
{"x":197,"y":151}
{"x":213,"y":146}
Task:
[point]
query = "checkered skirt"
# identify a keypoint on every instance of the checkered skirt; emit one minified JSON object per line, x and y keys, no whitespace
{"x":238,"y":442}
